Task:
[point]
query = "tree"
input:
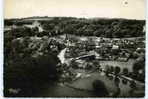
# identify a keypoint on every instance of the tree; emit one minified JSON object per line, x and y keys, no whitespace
{"x":139,"y":69}
{"x":100,"y":89}
{"x":125,"y":71}
{"x":139,"y":64}
{"x":117,"y":70}
{"x":29,"y":73}
{"x":111,"y":69}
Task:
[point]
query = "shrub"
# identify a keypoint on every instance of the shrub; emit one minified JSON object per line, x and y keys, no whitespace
{"x":100,"y":89}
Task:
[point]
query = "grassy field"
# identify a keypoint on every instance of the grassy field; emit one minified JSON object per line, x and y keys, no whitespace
{"x":82,"y":88}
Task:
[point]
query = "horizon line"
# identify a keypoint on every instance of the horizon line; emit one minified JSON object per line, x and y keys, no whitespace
{"x":6,"y":18}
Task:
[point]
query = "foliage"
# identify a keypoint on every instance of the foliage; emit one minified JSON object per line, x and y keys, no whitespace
{"x":138,"y":66}
{"x":99,"y":88}
{"x":28,"y":73}
{"x":87,"y":27}
{"x":117,"y":70}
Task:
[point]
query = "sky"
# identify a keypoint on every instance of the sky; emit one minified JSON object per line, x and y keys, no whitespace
{"x":129,"y":9}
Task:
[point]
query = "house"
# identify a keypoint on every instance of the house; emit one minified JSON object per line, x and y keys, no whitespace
{"x":115,"y":47}
{"x":35,"y":24}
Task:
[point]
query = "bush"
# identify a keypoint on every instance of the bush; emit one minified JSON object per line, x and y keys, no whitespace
{"x":100,"y":89}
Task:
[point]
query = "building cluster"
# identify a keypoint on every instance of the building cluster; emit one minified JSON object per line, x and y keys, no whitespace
{"x":107,"y":49}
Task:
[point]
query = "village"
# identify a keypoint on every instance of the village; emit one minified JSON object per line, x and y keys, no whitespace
{"x":84,"y":56}
{"x":81,"y":63}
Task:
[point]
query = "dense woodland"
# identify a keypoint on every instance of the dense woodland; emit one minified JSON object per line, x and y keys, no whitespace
{"x":83,"y":27}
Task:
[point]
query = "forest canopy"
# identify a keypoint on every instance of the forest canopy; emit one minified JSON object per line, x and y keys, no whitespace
{"x":86,"y":27}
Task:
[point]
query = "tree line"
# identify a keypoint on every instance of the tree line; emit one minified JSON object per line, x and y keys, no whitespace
{"x":85,"y":27}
